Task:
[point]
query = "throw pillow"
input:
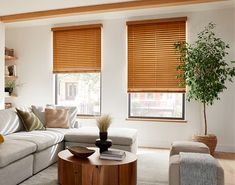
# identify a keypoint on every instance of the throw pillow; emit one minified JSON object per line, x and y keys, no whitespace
{"x":57,"y":118}
{"x":1,"y":139}
{"x":39,"y":111}
{"x":72,"y":113}
{"x":30,"y":120}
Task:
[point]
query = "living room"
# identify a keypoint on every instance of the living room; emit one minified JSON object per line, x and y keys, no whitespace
{"x":37,"y":82}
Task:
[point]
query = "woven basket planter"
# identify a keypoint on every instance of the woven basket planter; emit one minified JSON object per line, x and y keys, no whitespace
{"x":209,"y":140}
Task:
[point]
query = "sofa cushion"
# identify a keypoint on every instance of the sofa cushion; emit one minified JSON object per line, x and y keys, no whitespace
{"x":10,"y":122}
{"x":39,"y":111}
{"x":119,"y":136}
{"x":13,"y":150}
{"x":30,"y":120}
{"x":188,"y":146}
{"x":72,"y":113}
{"x":62,"y":130}
{"x":43,"y":139}
{"x":57,"y":118}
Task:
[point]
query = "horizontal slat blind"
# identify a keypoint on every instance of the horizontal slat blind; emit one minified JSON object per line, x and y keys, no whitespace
{"x":77,"y":49}
{"x":152,"y":59}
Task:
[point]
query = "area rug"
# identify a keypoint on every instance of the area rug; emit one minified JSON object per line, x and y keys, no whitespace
{"x":152,"y":169}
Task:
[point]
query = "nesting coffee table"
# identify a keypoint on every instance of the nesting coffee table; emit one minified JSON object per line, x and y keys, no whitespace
{"x":95,"y":171}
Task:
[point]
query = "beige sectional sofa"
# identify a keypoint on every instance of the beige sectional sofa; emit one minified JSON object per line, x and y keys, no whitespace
{"x":26,"y":153}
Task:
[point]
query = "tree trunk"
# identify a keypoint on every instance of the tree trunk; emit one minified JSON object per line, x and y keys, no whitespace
{"x":205,"y":121}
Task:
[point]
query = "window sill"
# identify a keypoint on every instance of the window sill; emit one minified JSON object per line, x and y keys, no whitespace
{"x":157,"y":120}
{"x":87,"y":117}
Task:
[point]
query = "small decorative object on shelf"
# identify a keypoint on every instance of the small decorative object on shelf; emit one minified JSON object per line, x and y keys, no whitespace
{"x":81,"y":152}
{"x":11,"y":70}
{"x":103,"y":124}
{"x":8,"y":105}
{"x":9,"y":52}
{"x":10,"y":86}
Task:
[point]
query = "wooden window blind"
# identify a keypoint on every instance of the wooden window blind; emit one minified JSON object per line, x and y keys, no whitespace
{"x":152,"y":59}
{"x":77,"y":49}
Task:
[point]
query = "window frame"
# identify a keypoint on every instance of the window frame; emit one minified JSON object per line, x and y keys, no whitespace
{"x":82,"y":115}
{"x":159,"y":118}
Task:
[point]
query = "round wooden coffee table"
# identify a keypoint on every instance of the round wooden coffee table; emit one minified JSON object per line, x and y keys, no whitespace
{"x":95,"y":171}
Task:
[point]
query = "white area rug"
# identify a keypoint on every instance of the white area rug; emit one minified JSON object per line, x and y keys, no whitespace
{"x":152,"y":170}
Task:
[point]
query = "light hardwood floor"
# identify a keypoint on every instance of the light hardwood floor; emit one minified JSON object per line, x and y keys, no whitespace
{"x":227,"y":161}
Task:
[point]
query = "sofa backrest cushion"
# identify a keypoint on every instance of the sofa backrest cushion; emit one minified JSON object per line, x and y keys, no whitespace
{"x":10,"y":122}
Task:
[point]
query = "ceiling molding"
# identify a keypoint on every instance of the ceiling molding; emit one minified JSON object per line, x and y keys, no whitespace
{"x":101,"y":8}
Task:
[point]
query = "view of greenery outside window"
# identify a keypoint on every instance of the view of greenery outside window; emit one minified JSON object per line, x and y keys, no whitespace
{"x":156,"y":105}
{"x":81,"y":90}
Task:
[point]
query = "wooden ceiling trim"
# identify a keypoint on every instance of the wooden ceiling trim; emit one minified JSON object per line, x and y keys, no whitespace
{"x":101,"y":8}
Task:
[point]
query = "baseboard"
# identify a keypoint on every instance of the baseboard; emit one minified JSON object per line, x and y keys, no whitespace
{"x":225,"y":148}
{"x":166,"y":144}
{"x":162,"y":144}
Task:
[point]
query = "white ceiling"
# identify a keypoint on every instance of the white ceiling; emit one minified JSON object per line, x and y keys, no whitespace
{"x":129,"y":15}
{"x":21,"y":6}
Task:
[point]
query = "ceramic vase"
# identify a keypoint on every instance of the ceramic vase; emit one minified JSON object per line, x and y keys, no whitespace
{"x":103,"y":143}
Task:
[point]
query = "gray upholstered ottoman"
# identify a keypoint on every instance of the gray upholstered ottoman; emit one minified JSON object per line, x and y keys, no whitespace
{"x":122,"y":138}
{"x":192,"y":147}
{"x":174,"y":171}
{"x":188,"y":146}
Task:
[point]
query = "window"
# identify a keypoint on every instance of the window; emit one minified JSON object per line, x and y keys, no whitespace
{"x":153,"y":87}
{"x":81,"y":90}
{"x":77,"y":66}
{"x":156,"y":105}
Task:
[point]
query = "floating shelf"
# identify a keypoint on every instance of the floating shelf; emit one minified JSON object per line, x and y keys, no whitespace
{"x":10,"y":57}
{"x":11,"y":96}
{"x":11,"y":77}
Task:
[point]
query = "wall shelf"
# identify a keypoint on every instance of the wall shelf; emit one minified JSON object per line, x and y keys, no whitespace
{"x":10,"y":57}
{"x":11,"y":96}
{"x":11,"y":77}
{"x":10,"y":65}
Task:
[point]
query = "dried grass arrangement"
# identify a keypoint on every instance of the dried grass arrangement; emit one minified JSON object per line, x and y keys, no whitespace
{"x":104,"y":122}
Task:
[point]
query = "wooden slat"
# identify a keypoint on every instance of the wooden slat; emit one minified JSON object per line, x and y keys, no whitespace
{"x":77,"y":49}
{"x":101,"y":8}
{"x":152,"y":59}
{"x":157,"y":21}
{"x":76,"y":27}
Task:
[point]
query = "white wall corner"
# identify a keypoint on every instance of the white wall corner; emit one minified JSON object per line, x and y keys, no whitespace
{"x":2,"y":64}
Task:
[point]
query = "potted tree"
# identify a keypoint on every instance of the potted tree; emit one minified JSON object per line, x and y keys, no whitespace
{"x":204,"y":72}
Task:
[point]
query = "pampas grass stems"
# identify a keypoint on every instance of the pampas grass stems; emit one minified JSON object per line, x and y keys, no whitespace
{"x":104,"y":122}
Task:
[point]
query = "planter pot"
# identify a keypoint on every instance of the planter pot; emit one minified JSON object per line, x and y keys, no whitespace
{"x":209,"y":140}
{"x":103,"y":136}
{"x":9,"y":89}
{"x":103,"y":143}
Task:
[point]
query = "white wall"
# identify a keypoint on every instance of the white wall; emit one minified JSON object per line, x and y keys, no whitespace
{"x":233,"y":66}
{"x":33,"y":46}
{"x":2,"y":64}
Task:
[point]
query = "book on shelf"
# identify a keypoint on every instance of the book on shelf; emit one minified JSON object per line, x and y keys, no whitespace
{"x":115,"y":155}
